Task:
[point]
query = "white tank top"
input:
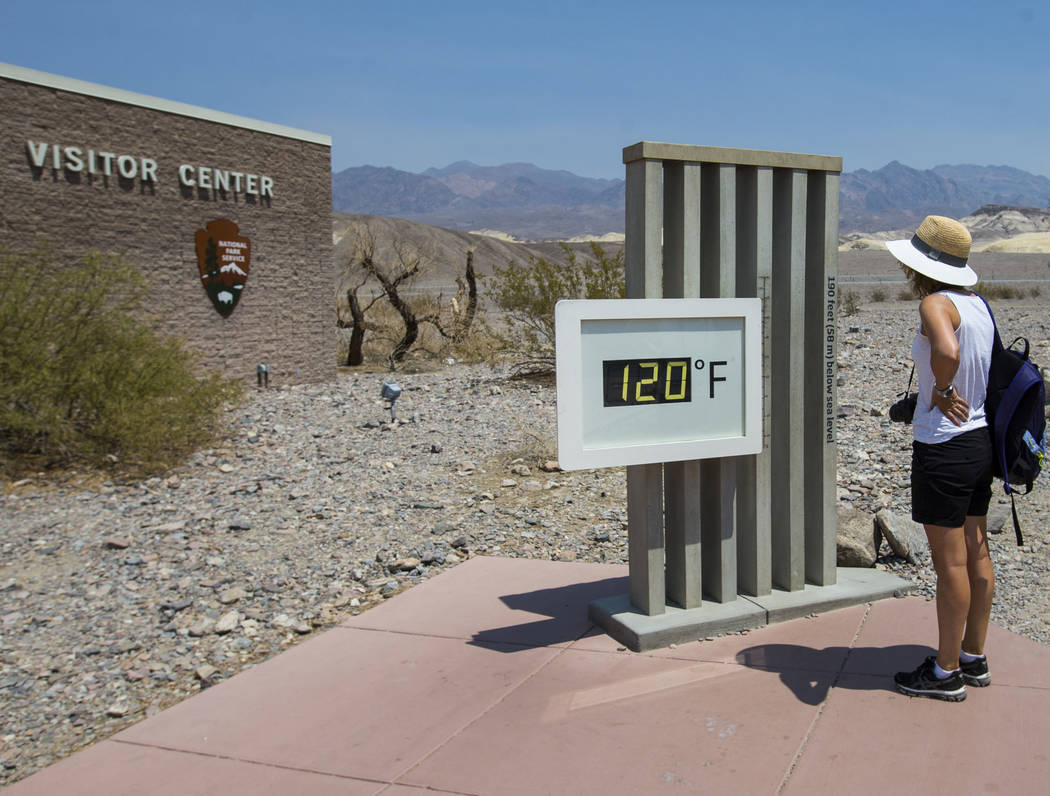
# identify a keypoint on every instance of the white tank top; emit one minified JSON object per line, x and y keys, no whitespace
{"x":975,"y":335}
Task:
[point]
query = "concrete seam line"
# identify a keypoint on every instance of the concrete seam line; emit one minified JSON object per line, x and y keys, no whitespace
{"x":246,"y":760}
{"x":396,"y":779}
{"x":820,"y":712}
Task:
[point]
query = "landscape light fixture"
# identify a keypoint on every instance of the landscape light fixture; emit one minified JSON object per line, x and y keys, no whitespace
{"x":391,"y":391}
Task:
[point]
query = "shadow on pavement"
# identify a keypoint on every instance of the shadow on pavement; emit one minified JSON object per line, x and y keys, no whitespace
{"x":806,"y":670}
{"x":565,"y":605}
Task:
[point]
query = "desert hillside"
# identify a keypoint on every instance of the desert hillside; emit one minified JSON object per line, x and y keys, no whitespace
{"x":444,"y":251}
{"x":1010,"y":243}
{"x":995,"y":228}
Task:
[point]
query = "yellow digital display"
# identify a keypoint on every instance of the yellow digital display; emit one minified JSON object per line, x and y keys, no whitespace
{"x":636,"y":382}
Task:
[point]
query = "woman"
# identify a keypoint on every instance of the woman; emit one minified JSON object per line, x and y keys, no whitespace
{"x":952,"y":453}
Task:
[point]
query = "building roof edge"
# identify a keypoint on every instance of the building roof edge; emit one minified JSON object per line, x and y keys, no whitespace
{"x":33,"y":76}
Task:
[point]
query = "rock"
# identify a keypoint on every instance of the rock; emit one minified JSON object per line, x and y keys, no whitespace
{"x":227,"y":623}
{"x":177,"y":605}
{"x":232,"y":595}
{"x":116,"y":543}
{"x":205,"y":671}
{"x":435,"y":447}
{"x":226,"y":468}
{"x":117,"y":711}
{"x":424,"y":504}
{"x":404,"y":565}
{"x":169,"y":527}
{"x":202,"y":627}
{"x":550,"y":466}
{"x":999,"y":517}
{"x":532,"y":486}
{"x":459,"y":542}
{"x":854,"y":541}
{"x":441,"y":527}
{"x":907,"y":539}
{"x":521,"y":469}
{"x":508,"y":483}
{"x":239,"y":524}
{"x":283,"y":622}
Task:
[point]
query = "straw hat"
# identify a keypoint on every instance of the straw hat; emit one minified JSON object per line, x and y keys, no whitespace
{"x":938,"y":249}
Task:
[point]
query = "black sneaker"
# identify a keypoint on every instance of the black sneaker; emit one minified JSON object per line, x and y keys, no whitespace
{"x":924,"y":683}
{"x":976,"y":672}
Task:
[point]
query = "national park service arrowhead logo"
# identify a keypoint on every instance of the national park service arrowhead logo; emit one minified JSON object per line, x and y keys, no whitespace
{"x":223,"y":257}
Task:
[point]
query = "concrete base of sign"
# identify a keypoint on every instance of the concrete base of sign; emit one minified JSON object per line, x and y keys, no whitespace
{"x":639,"y":632}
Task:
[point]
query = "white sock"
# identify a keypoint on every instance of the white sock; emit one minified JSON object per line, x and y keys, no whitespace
{"x":968,"y":657}
{"x":940,"y":673}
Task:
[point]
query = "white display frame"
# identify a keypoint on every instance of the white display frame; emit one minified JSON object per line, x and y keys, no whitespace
{"x":622,"y":316}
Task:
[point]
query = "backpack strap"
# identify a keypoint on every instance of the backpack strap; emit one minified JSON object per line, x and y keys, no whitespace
{"x":997,"y":343}
{"x":997,"y":347}
{"x":1017,"y":525}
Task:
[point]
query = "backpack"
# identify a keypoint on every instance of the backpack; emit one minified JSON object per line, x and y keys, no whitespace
{"x":1014,"y":406}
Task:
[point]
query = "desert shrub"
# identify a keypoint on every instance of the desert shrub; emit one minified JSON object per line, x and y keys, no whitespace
{"x":849,"y":303}
{"x":878,"y":295}
{"x":997,"y":291}
{"x":527,"y":293}
{"x":906,"y":294}
{"x":1035,"y":292}
{"x":83,"y":376}
{"x":482,"y":344}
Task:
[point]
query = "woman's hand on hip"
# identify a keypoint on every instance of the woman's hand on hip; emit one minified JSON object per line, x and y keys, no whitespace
{"x":954,"y":407}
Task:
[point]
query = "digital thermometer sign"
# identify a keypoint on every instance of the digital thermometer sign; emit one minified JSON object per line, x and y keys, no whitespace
{"x":654,"y":380}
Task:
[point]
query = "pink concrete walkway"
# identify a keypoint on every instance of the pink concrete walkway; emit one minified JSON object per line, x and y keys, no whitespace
{"x":488,"y":679}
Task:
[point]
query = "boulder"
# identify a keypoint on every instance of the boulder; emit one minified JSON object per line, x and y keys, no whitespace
{"x":999,"y":517}
{"x":854,"y":540}
{"x":906,"y":538}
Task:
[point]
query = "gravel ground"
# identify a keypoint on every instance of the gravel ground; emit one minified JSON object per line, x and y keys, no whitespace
{"x":118,"y":599}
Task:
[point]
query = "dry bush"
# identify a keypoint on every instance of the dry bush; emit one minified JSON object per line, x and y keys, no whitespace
{"x":395,"y":319}
{"x":526,"y":293}
{"x":998,"y":291}
{"x":84,"y":378}
{"x":849,"y":302}
{"x":878,"y":295}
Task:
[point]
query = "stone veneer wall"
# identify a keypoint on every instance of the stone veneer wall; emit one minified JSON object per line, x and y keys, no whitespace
{"x":285,"y":317}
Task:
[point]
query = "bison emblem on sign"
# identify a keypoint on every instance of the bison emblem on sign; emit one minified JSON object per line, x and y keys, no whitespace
{"x":223,"y":258}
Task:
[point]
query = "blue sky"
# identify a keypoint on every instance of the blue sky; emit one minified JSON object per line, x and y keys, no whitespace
{"x":566,"y":85}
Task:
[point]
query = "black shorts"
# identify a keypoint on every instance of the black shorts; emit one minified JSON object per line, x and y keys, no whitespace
{"x":951,"y":480}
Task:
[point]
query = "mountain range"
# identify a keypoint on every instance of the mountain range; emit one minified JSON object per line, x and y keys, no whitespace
{"x":533,"y":203}
{"x":517,"y":198}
